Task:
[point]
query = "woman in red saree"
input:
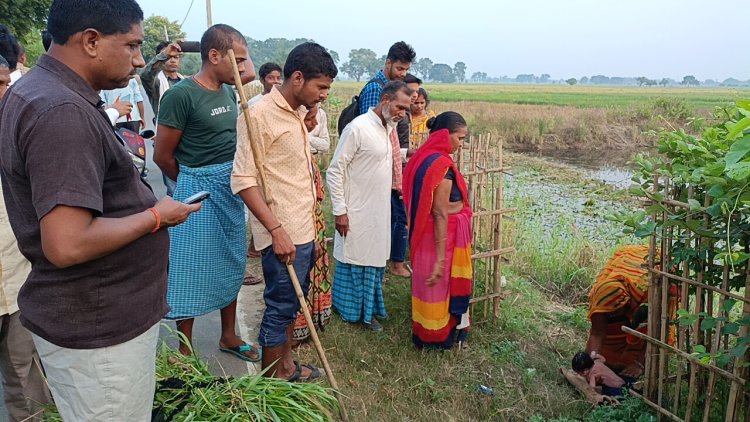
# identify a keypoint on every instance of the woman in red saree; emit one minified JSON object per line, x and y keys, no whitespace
{"x":437,"y":207}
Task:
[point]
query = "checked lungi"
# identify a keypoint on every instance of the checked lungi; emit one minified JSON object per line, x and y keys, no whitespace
{"x":358,"y":292}
{"x":207,"y":252}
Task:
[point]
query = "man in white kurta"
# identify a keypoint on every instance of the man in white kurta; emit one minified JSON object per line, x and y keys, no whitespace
{"x":359,"y":183}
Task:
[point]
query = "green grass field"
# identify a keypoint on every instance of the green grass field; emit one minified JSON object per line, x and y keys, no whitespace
{"x":562,"y":117}
{"x":564,"y":95}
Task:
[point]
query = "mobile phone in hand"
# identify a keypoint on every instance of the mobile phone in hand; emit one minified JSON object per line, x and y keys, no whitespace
{"x":198,"y":197}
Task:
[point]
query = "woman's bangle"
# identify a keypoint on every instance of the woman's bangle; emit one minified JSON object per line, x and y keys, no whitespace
{"x":156,"y":214}
{"x":277,"y":227}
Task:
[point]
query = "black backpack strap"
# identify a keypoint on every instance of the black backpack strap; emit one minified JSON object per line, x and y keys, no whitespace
{"x":376,"y":80}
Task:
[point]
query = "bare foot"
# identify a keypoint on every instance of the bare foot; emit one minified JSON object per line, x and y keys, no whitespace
{"x":185,"y":350}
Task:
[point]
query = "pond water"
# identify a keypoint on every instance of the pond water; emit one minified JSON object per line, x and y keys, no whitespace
{"x":577,"y":209}
{"x":611,"y":168}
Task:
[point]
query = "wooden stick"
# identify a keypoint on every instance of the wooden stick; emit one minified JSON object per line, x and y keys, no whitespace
{"x":489,"y":254}
{"x":292,"y":274}
{"x":495,"y":212}
{"x":257,"y":157}
{"x":499,"y":295}
{"x":316,"y":340}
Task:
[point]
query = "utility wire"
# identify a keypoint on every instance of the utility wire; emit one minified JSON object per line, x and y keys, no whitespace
{"x":188,"y":13}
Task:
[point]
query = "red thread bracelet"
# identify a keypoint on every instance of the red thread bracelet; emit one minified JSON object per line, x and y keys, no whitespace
{"x":156,"y":214}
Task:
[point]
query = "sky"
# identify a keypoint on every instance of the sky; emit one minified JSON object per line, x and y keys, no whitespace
{"x":571,"y":38}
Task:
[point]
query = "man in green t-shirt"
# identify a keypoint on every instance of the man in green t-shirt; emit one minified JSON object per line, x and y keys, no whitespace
{"x":195,"y":144}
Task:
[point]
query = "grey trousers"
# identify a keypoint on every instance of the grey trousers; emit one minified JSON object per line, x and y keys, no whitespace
{"x":24,"y":387}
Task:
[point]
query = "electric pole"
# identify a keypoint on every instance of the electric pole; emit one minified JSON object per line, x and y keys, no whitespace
{"x":208,"y":12}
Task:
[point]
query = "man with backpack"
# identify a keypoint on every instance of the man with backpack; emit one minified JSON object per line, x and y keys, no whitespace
{"x":398,"y":61}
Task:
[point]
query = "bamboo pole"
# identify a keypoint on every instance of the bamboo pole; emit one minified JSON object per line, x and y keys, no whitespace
{"x":724,"y":373}
{"x":650,"y":379}
{"x":485,"y":183}
{"x":658,"y":408}
{"x":487,"y":297}
{"x":292,"y":274}
{"x":495,"y":212}
{"x":498,"y":229}
{"x":661,"y":291}
{"x":703,"y":286}
{"x":680,"y":329}
{"x":490,"y":254}
{"x":715,"y":345}
{"x":736,"y":391}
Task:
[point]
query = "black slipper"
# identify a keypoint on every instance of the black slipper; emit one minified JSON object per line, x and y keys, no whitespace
{"x":297,"y":374}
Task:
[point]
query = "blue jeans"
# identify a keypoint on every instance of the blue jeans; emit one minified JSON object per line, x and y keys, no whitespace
{"x":399,"y":233}
{"x":281,"y":300}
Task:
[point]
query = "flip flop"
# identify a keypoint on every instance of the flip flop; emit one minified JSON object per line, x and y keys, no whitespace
{"x":251,"y":280}
{"x":238,"y":351}
{"x":297,"y":374}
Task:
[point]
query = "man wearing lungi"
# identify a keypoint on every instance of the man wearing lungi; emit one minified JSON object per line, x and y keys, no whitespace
{"x":285,"y":231}
{"x":195,"y":146}
{"x":359,"y":179}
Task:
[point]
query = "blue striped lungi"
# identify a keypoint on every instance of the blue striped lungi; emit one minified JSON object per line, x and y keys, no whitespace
{"x":357,"y":292}
{"x":207,"y":252}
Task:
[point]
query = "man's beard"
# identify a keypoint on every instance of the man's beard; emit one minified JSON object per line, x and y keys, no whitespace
{"x":388,"y":116}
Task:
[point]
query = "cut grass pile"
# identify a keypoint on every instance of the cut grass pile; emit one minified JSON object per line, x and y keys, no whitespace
{"x":188,"y":392}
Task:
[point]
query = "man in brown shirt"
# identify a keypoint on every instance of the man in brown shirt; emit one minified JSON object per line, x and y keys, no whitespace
{"x":90,"y":227}
{"x":285,"y":231}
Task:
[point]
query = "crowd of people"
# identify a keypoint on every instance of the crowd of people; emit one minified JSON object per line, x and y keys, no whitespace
{"x":92,"y":261}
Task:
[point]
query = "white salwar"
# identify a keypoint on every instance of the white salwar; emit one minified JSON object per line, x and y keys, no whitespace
{"x":359,"y":184}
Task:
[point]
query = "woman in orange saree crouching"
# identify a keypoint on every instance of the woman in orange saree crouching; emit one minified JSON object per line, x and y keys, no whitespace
{"x":437,"y":207}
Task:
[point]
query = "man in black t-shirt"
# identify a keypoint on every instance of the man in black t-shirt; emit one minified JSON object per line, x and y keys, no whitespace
{"x":92,"y":230}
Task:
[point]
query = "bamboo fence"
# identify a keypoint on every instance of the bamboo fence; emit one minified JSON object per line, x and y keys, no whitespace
{"x":681,"y":383}
{"x":481,"y":164}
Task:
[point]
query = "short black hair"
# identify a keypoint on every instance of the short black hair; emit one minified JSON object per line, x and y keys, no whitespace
{"x":4,"y":63}
{"x":220,"y":38}
{"x":161,"y":46}
{"x":401,"y":52}
{"x":582,"y":361}
{"x":46,"y":39}
{"x":411,"y":79}
{"x":391,"y":88}
{"x":448,"y":120}
{"x":312,"y":59}
{"x":9,"y":47}
{"x":267,"y":68}
{"x":68,"y":17}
